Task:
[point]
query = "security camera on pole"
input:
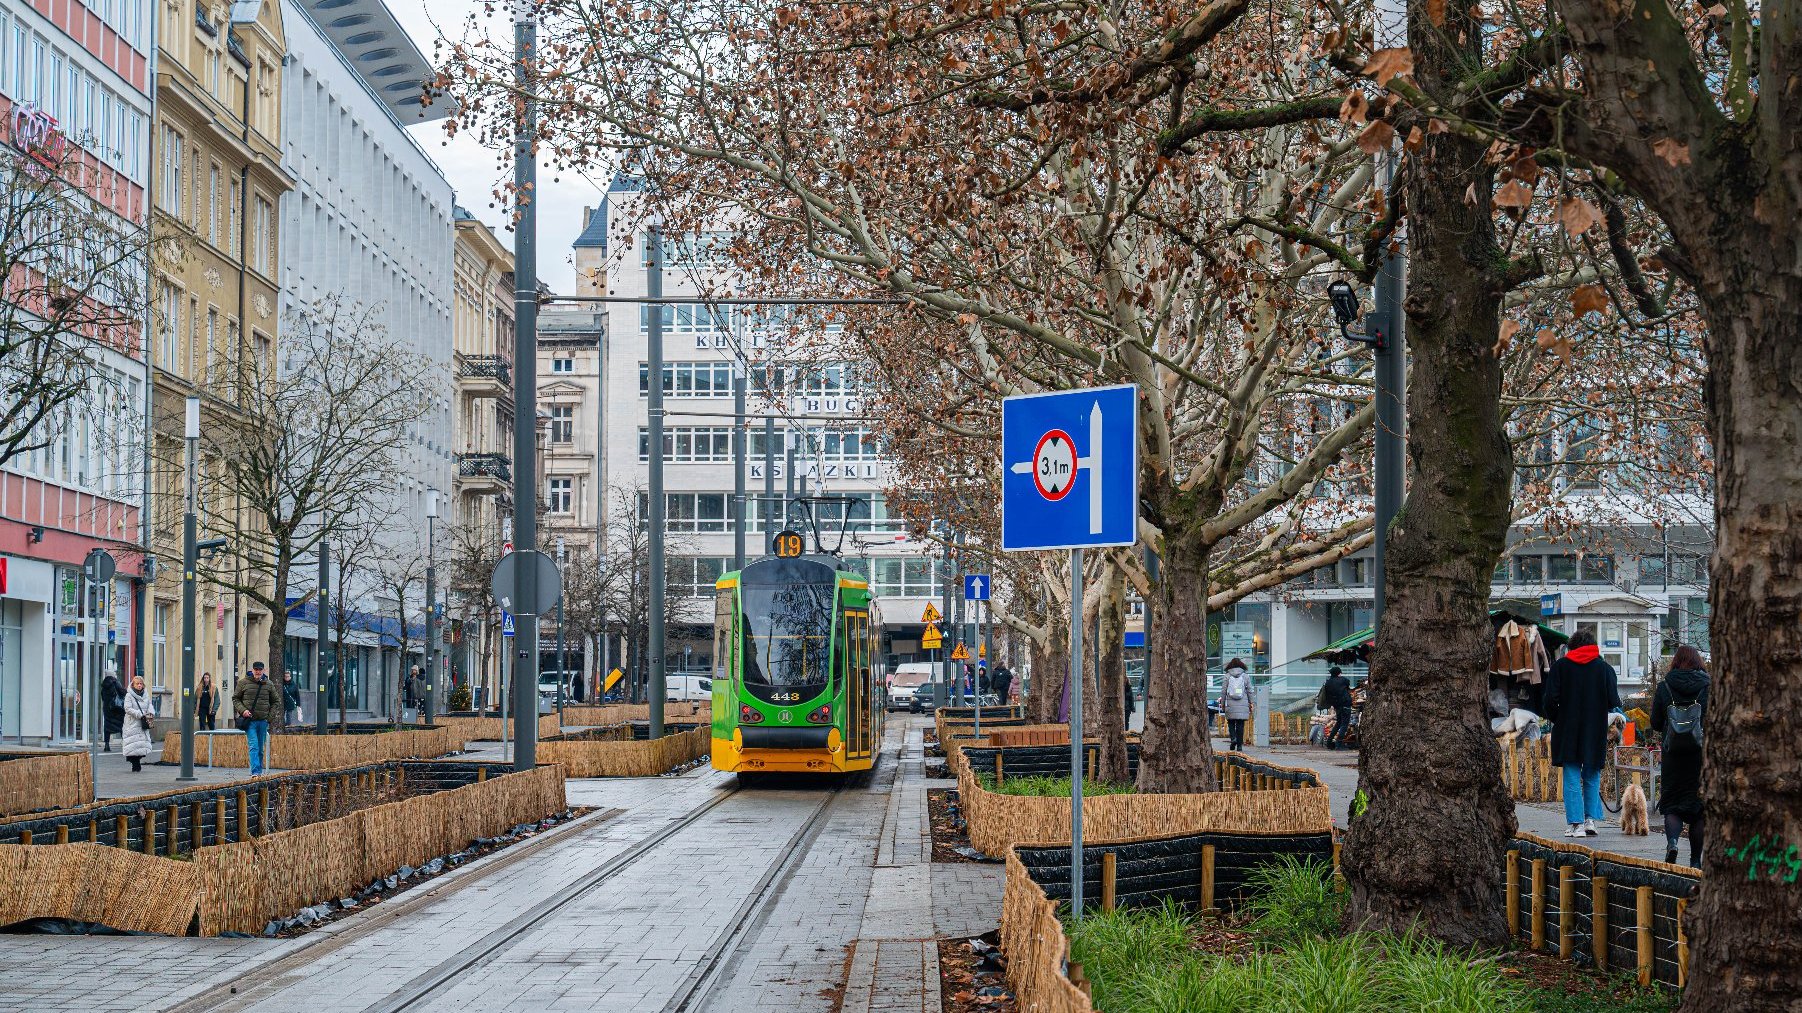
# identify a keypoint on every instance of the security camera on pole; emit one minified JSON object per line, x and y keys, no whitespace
{"x":1084,"y":442}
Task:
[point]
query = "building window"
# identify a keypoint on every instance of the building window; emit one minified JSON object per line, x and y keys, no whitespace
{"x":690,"y":444}
{"x":168,"y":322}
{"x":562,"y":495}
{"x":1529,"y":569}
{"x":689,"y":379}
{"x":563,"y":364}
{"x":212,"y":205}
{"x":234,"y":213}
{"x":691,"y":512}
{"x":1596,"y":569}
{"x":695,"y":576}
{"x":262,"y":237}
{"x":563,"y":423}
{"x":906,"y":578}
{"x":159,"y":647}
{"x":173,"y":161}
{"x":1561,"y":569}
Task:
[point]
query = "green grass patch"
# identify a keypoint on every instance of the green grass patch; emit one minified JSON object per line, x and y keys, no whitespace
{"x":1289,"y":954}
{"x":1051,"y":787}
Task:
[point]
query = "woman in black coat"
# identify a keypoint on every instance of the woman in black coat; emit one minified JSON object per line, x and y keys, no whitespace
{"x":112,"y":705}
{"x":1680,"y":784}
{"x":1581,"y":692}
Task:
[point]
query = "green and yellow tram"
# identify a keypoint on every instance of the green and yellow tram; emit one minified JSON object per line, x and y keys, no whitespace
{"x":798,"y":682}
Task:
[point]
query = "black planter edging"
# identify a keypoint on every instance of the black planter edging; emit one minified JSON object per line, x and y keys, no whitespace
{"x":1148,"y":872}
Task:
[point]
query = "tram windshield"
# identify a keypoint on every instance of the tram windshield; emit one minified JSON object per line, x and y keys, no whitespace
{"x":788,"y":634}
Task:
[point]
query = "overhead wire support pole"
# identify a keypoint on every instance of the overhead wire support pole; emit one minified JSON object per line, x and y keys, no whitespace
{"x":190,"y":564}
{"x":657,"y":684}
{"x":1391,"y":380}
{"x":738,"y":462}
{"x":525,"y":387}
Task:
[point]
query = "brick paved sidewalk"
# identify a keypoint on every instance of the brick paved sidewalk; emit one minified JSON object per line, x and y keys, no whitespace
{"x":1338,"y":769}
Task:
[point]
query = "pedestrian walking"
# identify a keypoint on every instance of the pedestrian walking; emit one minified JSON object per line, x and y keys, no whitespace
{"x":1235,"y":703}
{"x":290,"y":699}
{"x":1335,"y":692}
{"x":257,"y":702}
{"x":1126,"y":688}
{"x":206,"y":703}
{"x":1582,"y":697}
{"x":139,"y":709}
{"x":1003,"y":681}
{"x":1677,"y":709}
{"x":112,"y":705}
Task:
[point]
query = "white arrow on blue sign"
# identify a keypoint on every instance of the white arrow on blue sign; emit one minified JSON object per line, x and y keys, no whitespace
{"x":1072,"y":469}
{"x":506,"y":624}
{"x":976,"y":587}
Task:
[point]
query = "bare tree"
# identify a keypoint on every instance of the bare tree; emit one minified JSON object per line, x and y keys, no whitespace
{"x":626,"y":581}
{"x":352,"y":550}
{"x":318,"y":441}
{"x":400,"y":576}
{"x":470,"y":562}
{"x":72,"y":281}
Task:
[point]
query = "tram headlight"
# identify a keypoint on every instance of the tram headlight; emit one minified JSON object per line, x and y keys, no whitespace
{"x":749,"y":715}
{"x":821,"y":715}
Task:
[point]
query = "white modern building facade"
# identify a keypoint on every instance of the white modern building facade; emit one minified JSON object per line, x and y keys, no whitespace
{"x":817,"y":405}
{"x":370,"y":220}
{"x":76,"y":80}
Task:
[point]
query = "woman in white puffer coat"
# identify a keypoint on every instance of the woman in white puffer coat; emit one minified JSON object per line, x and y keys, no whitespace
{"x":139,"y":710}
{"x":1235,"y":703}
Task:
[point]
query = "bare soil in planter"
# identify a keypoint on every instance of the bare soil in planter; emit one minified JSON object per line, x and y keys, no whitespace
{"x":948,"y":832}
{"x":970,"y":981}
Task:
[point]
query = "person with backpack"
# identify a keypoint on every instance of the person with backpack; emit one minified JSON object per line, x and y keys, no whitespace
{"x":1677,"y":709}
{"x":1582,"y":697}
{"x":1235,"y":702}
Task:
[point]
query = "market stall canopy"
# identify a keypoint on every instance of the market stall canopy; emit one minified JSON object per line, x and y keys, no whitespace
{"x":1356,"y":646}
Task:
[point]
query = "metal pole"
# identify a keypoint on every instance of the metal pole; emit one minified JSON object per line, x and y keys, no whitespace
{"x":769,"y":466}
{"x":788,"y":475}
{"x":1076,"y":757}
{"x":654,"y":353}
{"x":325,"y":562}
{"x":431,"y":605}
{"x":1391,"y":394}
{"x":988,"y":648}
{"x":958,"y":698}
{"x":525,"y":389}
{"x":1151,"y":571}
{"x":738,"y":464}
{"x":506,"y":656}
{"x":945,"y":617}
{"x":562,"y":656}
{"x":190,"y":564}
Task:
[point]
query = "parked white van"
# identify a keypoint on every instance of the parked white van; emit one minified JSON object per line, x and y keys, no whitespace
{"x":683,"y":688}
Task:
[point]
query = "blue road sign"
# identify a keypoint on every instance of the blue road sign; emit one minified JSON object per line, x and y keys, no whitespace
{"x":506,"y":624}
{"x":976,"y":587}
{"x":1551,"y":604}
{"x":1071,"y":478}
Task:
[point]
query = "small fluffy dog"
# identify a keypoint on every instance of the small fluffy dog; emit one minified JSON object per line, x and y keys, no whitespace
{"x":1634,"y":822}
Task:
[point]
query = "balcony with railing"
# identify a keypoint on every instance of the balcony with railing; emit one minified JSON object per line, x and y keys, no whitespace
{"x":488,"y":474}
{"x":485,"y":375}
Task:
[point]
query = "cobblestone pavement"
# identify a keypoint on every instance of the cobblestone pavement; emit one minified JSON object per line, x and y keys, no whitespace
{"x":754,"y":904}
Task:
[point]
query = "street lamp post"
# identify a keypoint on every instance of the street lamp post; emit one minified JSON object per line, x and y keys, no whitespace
{"x":190,"y":563}
{"x":562,"y":658}
{"x":431,"y":605}
{"x":525,"y":385}
{"x":654,"y":355}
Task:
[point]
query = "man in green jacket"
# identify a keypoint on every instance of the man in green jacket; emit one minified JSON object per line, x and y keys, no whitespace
{"x":258,"y":701}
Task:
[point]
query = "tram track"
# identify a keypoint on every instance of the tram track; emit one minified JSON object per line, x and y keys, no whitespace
{"x":247,"y":990}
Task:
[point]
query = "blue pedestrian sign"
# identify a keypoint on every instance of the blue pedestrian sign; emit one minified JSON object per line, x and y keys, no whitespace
{"x":1071,"y":460}
{"x":506,"y":624}
{"x":976,"y":587}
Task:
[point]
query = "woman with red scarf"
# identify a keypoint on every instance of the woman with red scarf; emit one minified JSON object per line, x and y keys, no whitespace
{"x":1581,"y":694}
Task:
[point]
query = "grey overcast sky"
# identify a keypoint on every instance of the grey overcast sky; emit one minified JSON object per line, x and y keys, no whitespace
{"x":474,"y":171}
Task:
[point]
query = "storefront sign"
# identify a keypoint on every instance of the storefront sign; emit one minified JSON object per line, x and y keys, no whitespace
{"x":1238,"y":640}
{"x":1551,"y":604}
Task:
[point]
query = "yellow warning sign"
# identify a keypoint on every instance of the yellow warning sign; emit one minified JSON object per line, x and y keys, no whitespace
{"x":983,"y":651}
{"x":931,"y":615}
{"x":933,"y":640}
{"x":960,"y":653}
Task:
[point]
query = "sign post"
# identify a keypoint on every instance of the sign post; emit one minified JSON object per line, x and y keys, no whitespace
{"x":1044,"y":463}
{"x":976,"y":589}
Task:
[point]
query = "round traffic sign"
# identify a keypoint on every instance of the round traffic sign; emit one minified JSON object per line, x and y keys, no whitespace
{"x":1054,"y":465}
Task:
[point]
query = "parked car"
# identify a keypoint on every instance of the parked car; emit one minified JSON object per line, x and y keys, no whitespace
{"x":906,"y":684}
{"x":547,"y":686}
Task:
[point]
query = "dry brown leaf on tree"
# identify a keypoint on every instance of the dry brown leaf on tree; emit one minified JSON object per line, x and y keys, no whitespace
{"x":1353,"y":109}
{"x":1387,"y":64}
{"x":1378,"y":136}
{"x":1671,"y":150}
{"x":1514,"y":195}
{"x":1589,"y":299}
{"x":1577,"y":215}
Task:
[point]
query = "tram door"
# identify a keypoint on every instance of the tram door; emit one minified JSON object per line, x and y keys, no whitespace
{"x":857,"y":687}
